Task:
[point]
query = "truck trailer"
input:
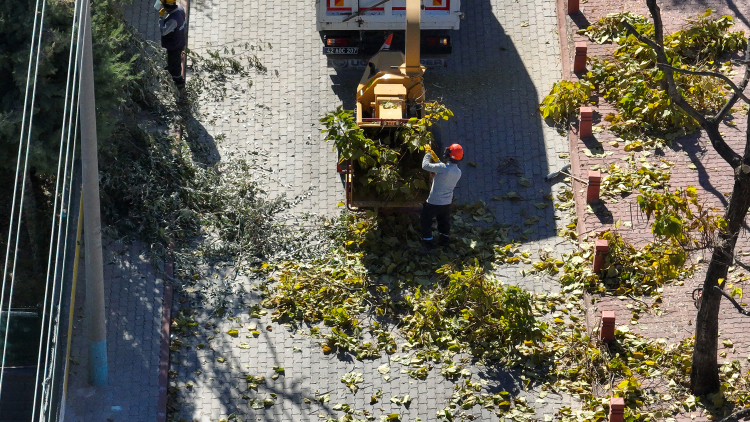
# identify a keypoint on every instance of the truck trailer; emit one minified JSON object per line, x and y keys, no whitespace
{"x":390,"y":95}
{"x":356,"y":29}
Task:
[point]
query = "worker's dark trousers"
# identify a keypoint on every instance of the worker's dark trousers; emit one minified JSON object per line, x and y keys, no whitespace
{"x":174,"y":64}
{"x":441,"y":213}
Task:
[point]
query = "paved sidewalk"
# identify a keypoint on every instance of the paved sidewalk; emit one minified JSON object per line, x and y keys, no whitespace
{"x":506,"y":59}
{"x":133,"y":308}
{"x":712,"y":176}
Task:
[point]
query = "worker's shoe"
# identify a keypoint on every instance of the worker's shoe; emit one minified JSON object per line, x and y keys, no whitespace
{"x":179,"y":82}
{"x":428,"y":244}
{"x":444,"y":240}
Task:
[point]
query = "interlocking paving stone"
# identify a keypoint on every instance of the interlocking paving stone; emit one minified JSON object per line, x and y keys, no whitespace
{"x":500,"y":70}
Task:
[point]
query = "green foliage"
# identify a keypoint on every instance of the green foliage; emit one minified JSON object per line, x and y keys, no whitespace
{"x":633,"y":83}
{"x":679,"y":217}
{"x":212,"y":71}
{"x":680,"y":224}
{"x":631,"y":270}
{"x":610,"y":29}
{"x":331,"y":293}
{"x":565,"y":99}
{"x":472,"y":312}
{"x":385,"y":161}
{"x":415,"y":134}
{"x":127,"y":76}
{"x":705,"y":39}
{"x":622,"y":181}
{"x":153,"y":192}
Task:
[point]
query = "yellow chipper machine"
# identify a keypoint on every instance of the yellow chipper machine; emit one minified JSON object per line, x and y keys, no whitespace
{"x":390,"y":93}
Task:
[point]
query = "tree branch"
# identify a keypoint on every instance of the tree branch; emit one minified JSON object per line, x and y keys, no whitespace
{"x":740,"y":309}
{"x":735,"y":88}
{"x":661,"y":58}
{"x":710,"y":125}
{"x":735,"y":417}
{"x":733,"y":99}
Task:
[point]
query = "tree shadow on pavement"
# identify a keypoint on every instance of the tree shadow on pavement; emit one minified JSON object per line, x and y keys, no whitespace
{"x":133,"y":304}
{"x":740,"y":10}
{"x":488,"y":87}
{"x":202,"y":143}
{"x":691,"y":144}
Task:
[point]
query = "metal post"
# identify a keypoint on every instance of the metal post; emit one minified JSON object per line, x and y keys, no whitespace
{"x":94,"y":305}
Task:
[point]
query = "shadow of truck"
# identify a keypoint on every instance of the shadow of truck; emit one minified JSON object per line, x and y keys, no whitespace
{"x":23,"y":332}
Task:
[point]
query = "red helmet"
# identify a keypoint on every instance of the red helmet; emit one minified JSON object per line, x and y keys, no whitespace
{"x":456,"y":152}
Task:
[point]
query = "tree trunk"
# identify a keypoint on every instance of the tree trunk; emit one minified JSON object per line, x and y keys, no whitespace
{"x":704,"y":373}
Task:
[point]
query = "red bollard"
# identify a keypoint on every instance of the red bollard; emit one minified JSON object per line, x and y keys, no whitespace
{"x":579,"y":63}
{"x":607,"y":326}
{"x":584,"y":124}
{"x":595,"y":181}
{"x":616,"y":409}
{"x":573,"y":7}
{"x":601,"y":248}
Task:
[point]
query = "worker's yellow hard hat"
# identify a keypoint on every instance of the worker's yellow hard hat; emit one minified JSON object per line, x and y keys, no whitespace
{"x":169,"y":2}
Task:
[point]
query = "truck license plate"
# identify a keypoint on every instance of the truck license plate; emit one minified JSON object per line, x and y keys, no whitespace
{"x":340,"y":50}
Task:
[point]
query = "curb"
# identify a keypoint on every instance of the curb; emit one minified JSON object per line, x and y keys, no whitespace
{"x":575,"y":164}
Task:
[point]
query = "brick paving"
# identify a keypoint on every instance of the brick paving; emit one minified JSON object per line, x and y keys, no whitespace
{"x":506,"y":59}
{"x":133,"y":307}
{"x":712,"y":177}
{"x":504,"y":50}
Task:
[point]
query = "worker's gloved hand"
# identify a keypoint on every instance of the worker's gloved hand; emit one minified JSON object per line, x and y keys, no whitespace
{"x":162,"y":12}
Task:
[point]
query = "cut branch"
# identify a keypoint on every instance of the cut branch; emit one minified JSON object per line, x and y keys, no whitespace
{"x":734,"y":417}
{"x":729,"y":82}
{"x":739,"y":307}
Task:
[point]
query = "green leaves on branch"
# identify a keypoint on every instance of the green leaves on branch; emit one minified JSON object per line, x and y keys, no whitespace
{"x":349,"y":139}
{"x":621,"y":181}
{"x":680,"y":218}
{"x":472,"y":312}
{"x":705,"y":39}
{"x":565,"y":99}
{"x":633,"y":83}
{"x":631,"y":270}
{"x":610,"y":29}
{"x":385,"y":160}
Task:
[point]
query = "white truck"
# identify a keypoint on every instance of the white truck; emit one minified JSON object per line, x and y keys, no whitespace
{"x":354,"y":30}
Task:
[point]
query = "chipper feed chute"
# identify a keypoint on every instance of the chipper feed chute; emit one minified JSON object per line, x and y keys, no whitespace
{"x":391,"y":90}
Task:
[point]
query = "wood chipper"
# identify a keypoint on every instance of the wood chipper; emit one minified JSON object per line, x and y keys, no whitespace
{"x":390,"y":93}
